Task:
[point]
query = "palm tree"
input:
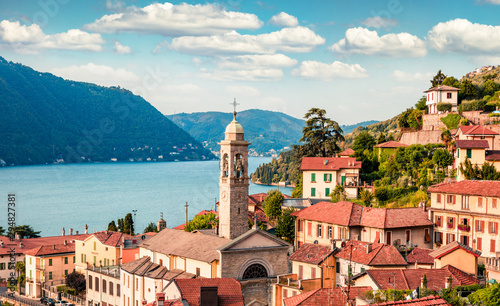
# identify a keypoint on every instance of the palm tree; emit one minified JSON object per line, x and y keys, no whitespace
{"x":321,"y":133}
{"x":366,"y":196}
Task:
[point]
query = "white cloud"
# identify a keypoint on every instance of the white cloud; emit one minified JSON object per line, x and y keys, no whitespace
{"x":99,"y":74}
{"x":285,"y":20}
{"x":244,"y":75}
{"x":463,"y":36}
{"x":496,"y":2}
{"x":364,"y":41}
{"x":175,"y":20}
{"x":247,"y":91}
{"x":402,"y":76}
{"x":379,"y":22}
{"x":115,"y":5}
{"x":31,"y":39}
{"x":250,"y":62}
{"x":121,"y":49}
{"x":299,"y":39}
{"x":323,"y":71}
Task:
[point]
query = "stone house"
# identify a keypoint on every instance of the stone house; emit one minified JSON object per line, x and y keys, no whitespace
{"x":439,"y":94}
{"x":467,"y":212}
{"x":321,"y":175}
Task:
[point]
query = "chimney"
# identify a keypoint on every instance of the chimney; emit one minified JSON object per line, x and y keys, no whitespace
{"x":71,"y":231}
{"x":86,"y":227}
{"x":325,"y":162}
{"x":208,"y":296}
{"x":76,"y":233}
{"x":65,"y":242}
{"x":17,"y":236}
{"x":1,"y":244}
{"x":21,"y":245}
{"x":368,"y":248}
{"x":63,"y":232}
{"x":53,"y":247}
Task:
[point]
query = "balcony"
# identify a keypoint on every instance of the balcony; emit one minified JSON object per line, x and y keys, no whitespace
{"x":40,"y":267}
{"x":492,"y":263}
{"x":464,"y":227}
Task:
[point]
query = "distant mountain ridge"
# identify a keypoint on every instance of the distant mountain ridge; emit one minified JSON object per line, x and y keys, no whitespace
{"x":46,"y":119}
{"x":268,"y":131}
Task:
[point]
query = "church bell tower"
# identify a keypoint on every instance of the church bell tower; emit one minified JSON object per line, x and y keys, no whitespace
{"x":233,"y":182}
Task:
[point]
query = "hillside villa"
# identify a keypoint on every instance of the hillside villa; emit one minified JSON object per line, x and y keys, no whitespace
{"x":441,"y":94}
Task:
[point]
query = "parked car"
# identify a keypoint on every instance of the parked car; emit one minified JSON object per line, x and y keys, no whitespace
{"x":61,"y":303}
{"x":47,"y":301}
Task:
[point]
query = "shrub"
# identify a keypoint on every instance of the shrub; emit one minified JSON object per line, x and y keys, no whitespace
{"x":494,"y":115}
{"x":464,"y":121}
{"x":444,"y":107}
{"x":451,"y":121}
{"x":490,"y":106}
{"x":473,"y":105}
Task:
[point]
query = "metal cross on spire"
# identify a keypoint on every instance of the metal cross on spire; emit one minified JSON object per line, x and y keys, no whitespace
{"x":234,"y":104}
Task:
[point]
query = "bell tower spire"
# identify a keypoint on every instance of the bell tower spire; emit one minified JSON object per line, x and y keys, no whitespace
{"x":234,"y":181}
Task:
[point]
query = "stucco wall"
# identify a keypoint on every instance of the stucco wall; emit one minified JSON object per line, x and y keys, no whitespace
{"x":460,"y":259}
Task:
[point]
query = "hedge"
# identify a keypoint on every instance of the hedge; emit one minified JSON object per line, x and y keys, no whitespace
{"x":444,"y":107}
{"x":473,"y":105}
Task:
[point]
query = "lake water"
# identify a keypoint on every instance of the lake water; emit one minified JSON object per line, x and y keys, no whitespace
{"x":50,"y":197}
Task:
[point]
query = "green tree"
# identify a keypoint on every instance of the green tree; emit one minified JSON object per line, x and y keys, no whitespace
{"x":469,"y":171}
{"x":128,"y":224}
{"x":442,"y":158}
{"x":364,"y":141}
{"x":467,"y":90}
{"x":446,"y":137}
{"x":381,"y":138}
{"x":490,"y":87}
{"x":24,"y":231}
{"x":451,"y":81}
{"x":297,"y":191}
{"x":20,"y":269}
{"x":338,"y":194}
{"x":321,"y":133}
{"x":151,"y":228}
{"x":285,"y":226}
{"x":272,"y":203}
{"x":421,"y":104}
{"x":2,"y":231}
{"x":120,"y":224}
{"x":202,"y":222}
{"x":488,"y":296}
{"x":76,"y":281}
{"x":438,"y":79}
{"x":366,"y":196}
{"x":112,"y":226}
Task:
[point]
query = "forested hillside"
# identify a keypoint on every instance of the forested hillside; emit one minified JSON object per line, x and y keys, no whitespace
{"x":44,"y":118}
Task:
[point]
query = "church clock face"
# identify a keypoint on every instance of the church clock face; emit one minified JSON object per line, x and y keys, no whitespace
{"x":224,"y":195}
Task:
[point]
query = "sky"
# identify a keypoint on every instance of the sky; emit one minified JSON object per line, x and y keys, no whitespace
{"x":359,"y":60}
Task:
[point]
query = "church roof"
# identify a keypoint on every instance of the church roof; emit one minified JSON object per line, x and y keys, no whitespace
{"x":254,"y":231}
{"x":234,"y":127}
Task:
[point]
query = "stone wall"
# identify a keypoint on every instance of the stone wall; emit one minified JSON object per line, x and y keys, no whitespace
{"x":258,"y":291}
{"x":479,"y":118}
{"x":421,"y":137}
{"x":432,"y":122}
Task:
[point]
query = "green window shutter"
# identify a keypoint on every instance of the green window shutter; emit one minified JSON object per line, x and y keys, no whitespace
{"x":65,"y":272}
{"x":313,"y":177}
{"x":50,"y":262}
{"x":330,"y":179}
{"x":325,"y":177}
{"x":50,"y":275}
{"x":458,"y":152}
{"x":327,"y":192}
{"x":65,"y":260}
{"x":469,"y":153}
{"x":313,"y":192}
{"x":74,"y":259}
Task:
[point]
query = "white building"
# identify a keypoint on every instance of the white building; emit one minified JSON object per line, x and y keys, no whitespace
{"x":441,"y":94}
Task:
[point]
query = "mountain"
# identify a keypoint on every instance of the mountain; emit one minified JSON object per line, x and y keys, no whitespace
{"x":44,"y":119}
{"x":349,"y":128}
{"x":265,"y":130}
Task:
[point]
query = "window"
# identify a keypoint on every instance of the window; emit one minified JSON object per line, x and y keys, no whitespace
{"x":337,"y":267}
{"x":450,"y":238}
{"x":388,"y":237}
{"x":313,"y":192}
{"x":50,"y":275}
{"x":330,"y":232}
{"x":448,"y":95}
{"x":313,"y":177}
{"x":255,"y":271}
{"x":327,"y":177}
{"x":313,"y":272}
{"x":136,"y":284}
{"x":458,"y":153}
{"x":451,"y":222}
{"x":319,"y":231}
{"x":161,"y":262}
{"x":285,"y":293}
{"x":493,"y":203}
{"x":65,"y":272}
{"x":427,"y":235}
{"x":493,"y":227}
{"x":85,"y":258}
{"x":492,"y":245}
{"x":438,"y":237}
{"x":479,"y":202}
{"x":50,"y":261}
{"x":81,"y":258}
{"x":198,"y":272}
{"x":465,"y":240}
{"x":74,"y":259}
{"x":90,"y":282}
{"x":117,"y":289}
{"x":2,"y":266}
{"x":103,"y":286}
{"x":465,"y":202}
{"x":309,"y":229}
{"x":110,"y":288}
{"x":300,"y":226}
{"x":451,"y":199}
{"x":469,"y":153}
{"x":479,"y":243}
{"x":301,"y":272}
{"x":408,"y":235}
{"x":95,"y":245}
{"x":438,"y":198}
{"x":65,"y":260}
{"x":327,"y":192}
{"x":479,"y":226}
{"x":439,"y":221}
{"x":97,"y":284}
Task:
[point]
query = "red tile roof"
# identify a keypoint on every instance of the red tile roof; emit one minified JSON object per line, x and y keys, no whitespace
{"x":410,"y":279}
{"x":472,"y":144}
{"x":391,"y":144}
{"x":111,"y":238}
{"x":442,"y":88}
{"x":341,"y":213}
{"x":311,"y":253}
{"x":347,"y":152}
{"x":431,"y":300}
{"x":326,"y":296}
{"x":450,"y":247}
{"x":256,"y":199}
{"x":380,"y":255}
{"x":261,"y":215}
{"x":476,"y":130}
{"x":493,"y":155}
{"x":351,"y":214}
{"x":329,"y":163}
{"x":52,"y":249}
{"x":31,"y":243}
{"x":228,"y":290}
{"x":421,"y":256}
{"x":468,"y":187}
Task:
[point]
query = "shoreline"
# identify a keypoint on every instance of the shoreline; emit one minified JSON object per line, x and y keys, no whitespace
{"x":273,"y":184}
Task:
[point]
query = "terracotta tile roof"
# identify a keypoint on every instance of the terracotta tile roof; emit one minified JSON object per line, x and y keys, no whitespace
{"x":52,"y":249}
{"x":468,"y":187}
{"x":256,"y":199}
{"x":206,"y":212}
{"x":347,"y":152}
{"x":190,"y":245}
{"x":391,"y":144}
{"x":325,"y":296}
{"x":351,"y":214}
{"x":442,"y":88}
{"x":431,"y":300}
{"x":139,"y":264}
{"x":476,"y":130}
{"x":410,"y":279}
{"x":31,"y":243}
{"x":450,"y":247}
{"x":145,"y":267}
{"x":228,"y":290}
{"x":493,"y":155}
{"x":329,"y":163}
{"x":110,"y":238}
{"x":421,"y":256}
{"x":472,"y":144}
{"x":312,"y":253}
{"x":341,"y":213}
{"x":261,"y":215}
{"x":381,"y":254}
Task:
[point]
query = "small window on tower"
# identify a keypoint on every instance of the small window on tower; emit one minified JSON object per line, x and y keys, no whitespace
{"x":238,"y":210}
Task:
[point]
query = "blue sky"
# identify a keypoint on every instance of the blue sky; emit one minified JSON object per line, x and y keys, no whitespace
{"x":359,"y":60}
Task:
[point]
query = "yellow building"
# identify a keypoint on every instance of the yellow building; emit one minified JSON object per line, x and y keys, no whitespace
{"x":474,"y":150}
{"x":49,"y":265}
{"x":458,"y":255}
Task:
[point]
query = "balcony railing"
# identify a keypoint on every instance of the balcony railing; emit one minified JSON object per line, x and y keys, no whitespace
{"x":40,"y":267}
{"x":464,"y":227}
{"x":492,"y":263}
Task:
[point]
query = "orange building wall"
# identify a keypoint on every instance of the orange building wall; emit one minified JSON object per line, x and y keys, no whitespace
{"x":129,"y":255}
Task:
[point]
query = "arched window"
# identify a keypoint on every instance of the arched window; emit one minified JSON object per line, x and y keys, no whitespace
{"x":97,"y":284}
{"x":90,"y":282}
{"x":103,"y":286}
{"x":255,"y":271}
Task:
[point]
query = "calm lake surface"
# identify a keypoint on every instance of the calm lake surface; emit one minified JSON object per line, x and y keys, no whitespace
{"x":50,"y":197}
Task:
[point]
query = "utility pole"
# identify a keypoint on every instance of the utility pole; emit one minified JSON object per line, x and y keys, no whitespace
{"x":186,"y":212}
